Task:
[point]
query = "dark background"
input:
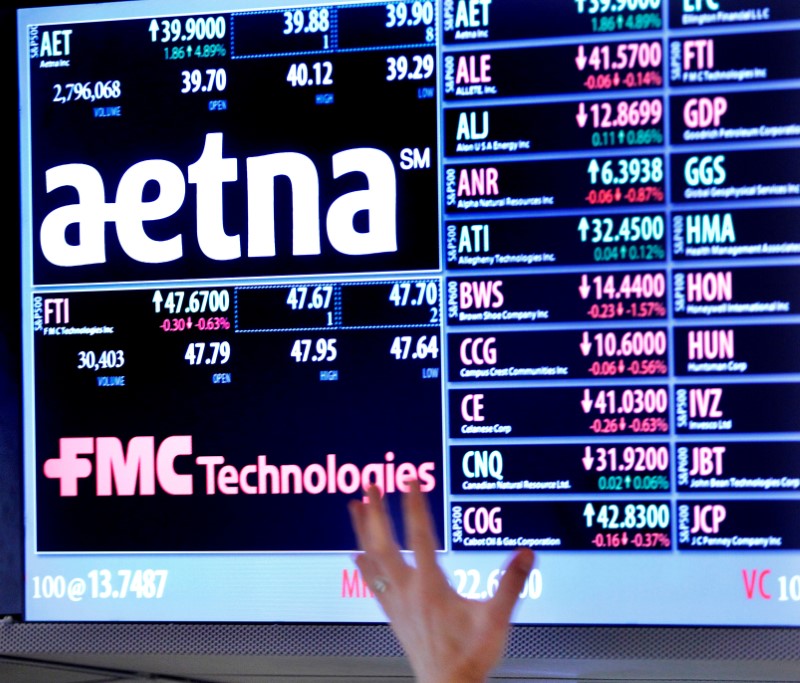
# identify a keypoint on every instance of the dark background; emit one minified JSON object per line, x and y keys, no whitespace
{"x":10,"y":396}
{"x":11,"y":568}
{"x":273,"y":406}
{"x":264,"y":115}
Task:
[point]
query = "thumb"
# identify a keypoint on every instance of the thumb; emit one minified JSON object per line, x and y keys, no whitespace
{"x":511,"y":585}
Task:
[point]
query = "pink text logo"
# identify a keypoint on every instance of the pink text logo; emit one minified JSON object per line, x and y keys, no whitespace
{"x":137,"y":469}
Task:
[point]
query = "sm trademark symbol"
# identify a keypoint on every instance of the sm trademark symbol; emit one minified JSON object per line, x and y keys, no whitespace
{"x":411,"y":158}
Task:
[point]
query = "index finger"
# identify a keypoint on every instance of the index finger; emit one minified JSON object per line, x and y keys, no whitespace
{"x":376,"y":535}
{"x":511,"y":584}
{"x":420,"y":536}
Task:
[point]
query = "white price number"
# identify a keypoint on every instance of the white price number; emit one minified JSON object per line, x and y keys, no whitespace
{"x":321,"y":73}
{"x":397,"y":14}
{"x":425,"y":347}
{"x":193,"y":81}
{"x":143,"y":583}
{"x":308,"y":21}
{"x":470,"y":584}
{"x":320,"y":297}
{"x":193,"y":28}
{"x":602,"y":6}
{"x":633,"y":516}
{"x":790,"y":588}
{"x":219,"y":353}
{"x":199,"y":301}
{"x":414,"y":293}
{"x":324,"y":350}
{"x":420,"y":68}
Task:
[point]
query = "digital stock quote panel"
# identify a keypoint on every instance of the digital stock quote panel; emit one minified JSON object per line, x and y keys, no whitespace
{"x":542,"y":257}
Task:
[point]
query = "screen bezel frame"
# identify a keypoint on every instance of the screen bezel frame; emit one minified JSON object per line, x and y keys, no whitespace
{"x":369,"y":650}
{"x":626,"y":648}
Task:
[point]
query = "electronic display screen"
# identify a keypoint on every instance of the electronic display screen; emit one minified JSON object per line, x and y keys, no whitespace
{"x":542,"y":257}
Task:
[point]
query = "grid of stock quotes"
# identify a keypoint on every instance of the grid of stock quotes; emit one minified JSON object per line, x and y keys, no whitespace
{"x":542,"y":257}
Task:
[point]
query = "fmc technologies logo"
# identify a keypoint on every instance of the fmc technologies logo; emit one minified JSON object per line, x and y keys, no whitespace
{"x":209,"y":173}
{"x":142,"y":468}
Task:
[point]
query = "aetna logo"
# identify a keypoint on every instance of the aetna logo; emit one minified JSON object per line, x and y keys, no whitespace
{"x":142,"y":468}
{"x":211,"y":170}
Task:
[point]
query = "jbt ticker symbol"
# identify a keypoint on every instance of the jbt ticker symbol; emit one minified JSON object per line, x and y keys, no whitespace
{"x":116,"y":469}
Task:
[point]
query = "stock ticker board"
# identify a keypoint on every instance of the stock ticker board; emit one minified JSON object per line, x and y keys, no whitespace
{"x":542,"y":257}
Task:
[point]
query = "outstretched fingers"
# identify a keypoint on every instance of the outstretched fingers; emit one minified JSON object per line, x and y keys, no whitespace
{"x":420,"y":536}
{"x":376,"y":536}
{"x":511,"y":584}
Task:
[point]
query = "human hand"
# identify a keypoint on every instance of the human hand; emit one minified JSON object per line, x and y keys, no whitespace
{"x":446,"y":637}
